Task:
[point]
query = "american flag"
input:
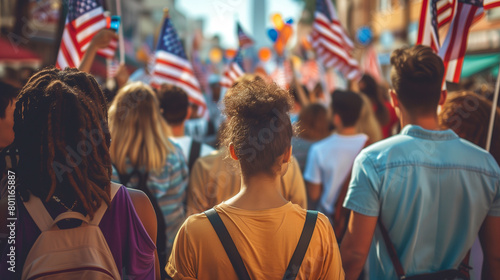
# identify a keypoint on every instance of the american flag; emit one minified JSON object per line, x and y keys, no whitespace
{"x":330,"y":41}
{"x":433,"y":15}
{"x":233,"y":71}
{"x":243,"y":38}
{"x":85,"y":18}
{"x":173,"y":67}
{"x":283,"y":73}
{"x":461,"y":14}
{"x":310,"y":74}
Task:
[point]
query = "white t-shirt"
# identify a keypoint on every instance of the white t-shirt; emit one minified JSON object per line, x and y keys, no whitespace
{"x":185,"y":143}
{"x":329,"y":162}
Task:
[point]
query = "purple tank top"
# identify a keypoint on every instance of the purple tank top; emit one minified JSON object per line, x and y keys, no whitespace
{"x":130,"y":244}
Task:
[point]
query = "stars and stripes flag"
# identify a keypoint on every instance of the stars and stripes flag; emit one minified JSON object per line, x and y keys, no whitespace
{"x":283,"y":73}
{"x":461,"y":15}
{"x":433,"y":15}
{"x":233,"y":71}
{"x":85,"y":18}
{"x":243,"y":38}
{"x":172,"y":66}
{"x":330,"y":41}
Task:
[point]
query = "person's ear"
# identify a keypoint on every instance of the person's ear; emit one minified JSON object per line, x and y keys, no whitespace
{"x":394,"y":98}
{"x":336,"y":120}
{"x":287,"y":155}
{"x":232,"y":152}
{"x":442,"y":98}
{"x":189,"y":112}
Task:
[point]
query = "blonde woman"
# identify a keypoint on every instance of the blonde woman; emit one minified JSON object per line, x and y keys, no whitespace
{"x":145,"y":158}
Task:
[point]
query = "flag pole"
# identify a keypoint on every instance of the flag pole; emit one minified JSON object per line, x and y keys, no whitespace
{"x":493,"y":112}
{"x":121,"y":41}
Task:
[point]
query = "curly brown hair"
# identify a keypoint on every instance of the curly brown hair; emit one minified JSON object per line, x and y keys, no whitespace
{"x":258,"y":125}
{"x":468,"y":114}
{"x":61,"y":131}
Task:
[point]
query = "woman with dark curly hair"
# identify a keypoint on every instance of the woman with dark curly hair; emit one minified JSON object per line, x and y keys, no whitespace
{"x":64,"y":170}
{"x":264,"y":227}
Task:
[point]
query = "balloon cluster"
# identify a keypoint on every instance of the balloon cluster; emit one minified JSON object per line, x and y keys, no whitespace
{"x":281,"y":32}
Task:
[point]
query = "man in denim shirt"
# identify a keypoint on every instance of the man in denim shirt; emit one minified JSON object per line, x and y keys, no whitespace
{"x":432,"y":190}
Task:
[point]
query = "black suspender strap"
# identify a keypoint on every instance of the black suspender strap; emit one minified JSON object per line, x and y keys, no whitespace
{"x":194,"y":153}
{"x":228,"y":244}
{"x":301,"y":249}
{"x":235,"y":258}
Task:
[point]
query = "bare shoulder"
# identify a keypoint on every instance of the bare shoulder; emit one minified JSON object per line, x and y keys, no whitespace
{"x":144,"y":210}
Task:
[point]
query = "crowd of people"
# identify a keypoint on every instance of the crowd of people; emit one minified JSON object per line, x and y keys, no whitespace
{"x":375,"y":185}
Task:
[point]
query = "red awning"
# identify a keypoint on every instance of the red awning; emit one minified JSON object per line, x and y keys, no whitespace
{"x":11,"y":53}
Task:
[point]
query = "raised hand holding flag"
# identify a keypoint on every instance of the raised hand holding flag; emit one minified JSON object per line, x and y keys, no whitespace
{"x":84,"y":20}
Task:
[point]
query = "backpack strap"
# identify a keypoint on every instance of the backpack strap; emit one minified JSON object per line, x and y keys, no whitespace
{"x":463,"y":267}
{"x":227,"y":242}
{"x":194,"y":153}
{"x":113,"y":189}
{"x":301,"y":249}
{"x":44,"y":221}
{"x":38,"y":213}
{"x":391,"y":250}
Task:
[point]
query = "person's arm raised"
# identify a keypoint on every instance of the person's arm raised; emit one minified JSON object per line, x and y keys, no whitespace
{"x":490,"y":242}
{"x":356,"y":243}
{"x":147,"y":215}
{"x":99,"y":41}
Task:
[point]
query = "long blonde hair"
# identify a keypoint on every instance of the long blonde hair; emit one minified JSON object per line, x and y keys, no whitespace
{"x":138,"y":131}
{"x":367,"y":122}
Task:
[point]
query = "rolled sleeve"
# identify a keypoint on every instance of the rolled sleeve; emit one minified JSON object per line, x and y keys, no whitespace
{"x":362,"y":196}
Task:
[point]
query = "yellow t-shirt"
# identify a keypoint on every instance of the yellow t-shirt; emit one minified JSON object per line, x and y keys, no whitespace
{"x":214,"y":179}
{"x":265,"y":239}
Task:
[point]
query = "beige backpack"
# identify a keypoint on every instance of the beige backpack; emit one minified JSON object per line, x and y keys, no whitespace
{"x":75,"y":253}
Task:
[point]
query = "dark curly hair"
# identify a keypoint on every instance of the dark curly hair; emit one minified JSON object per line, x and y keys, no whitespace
{"x":417,"y":76}
{"x":258,"y":125}
{"x":468,"y":114}
{"x":61,"y":131}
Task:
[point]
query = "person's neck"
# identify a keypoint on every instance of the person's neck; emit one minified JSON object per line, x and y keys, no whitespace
{"x":259,"y":192}
{"x":178,"y":130}
{"x":347,"y":131}
{"x":429,"y":122}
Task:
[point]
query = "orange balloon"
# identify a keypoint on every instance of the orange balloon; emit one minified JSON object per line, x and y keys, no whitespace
{"x":286,"y":33}
{"x":215,"y":55}
{"x":230,"y":53}
{"x":277,"y":21}
{"x":279,"y":46}
{"x":264,"y":54}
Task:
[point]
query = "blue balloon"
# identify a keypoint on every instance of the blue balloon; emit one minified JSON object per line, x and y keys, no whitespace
{"x":273,"y":34}
{"x":289,"y":21}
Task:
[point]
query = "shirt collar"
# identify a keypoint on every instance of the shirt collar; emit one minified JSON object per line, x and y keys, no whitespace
{"x":418,"y":131}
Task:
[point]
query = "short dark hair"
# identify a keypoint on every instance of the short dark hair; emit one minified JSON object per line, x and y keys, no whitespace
{"x":417,"y":76}
{"x":174,"y":102}
{"x":7,"y":94}
{"x":258,"y":125}
{"x":347,"y":104}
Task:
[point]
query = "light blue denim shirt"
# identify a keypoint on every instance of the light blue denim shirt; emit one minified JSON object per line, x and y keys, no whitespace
{"x":432,"y":191}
